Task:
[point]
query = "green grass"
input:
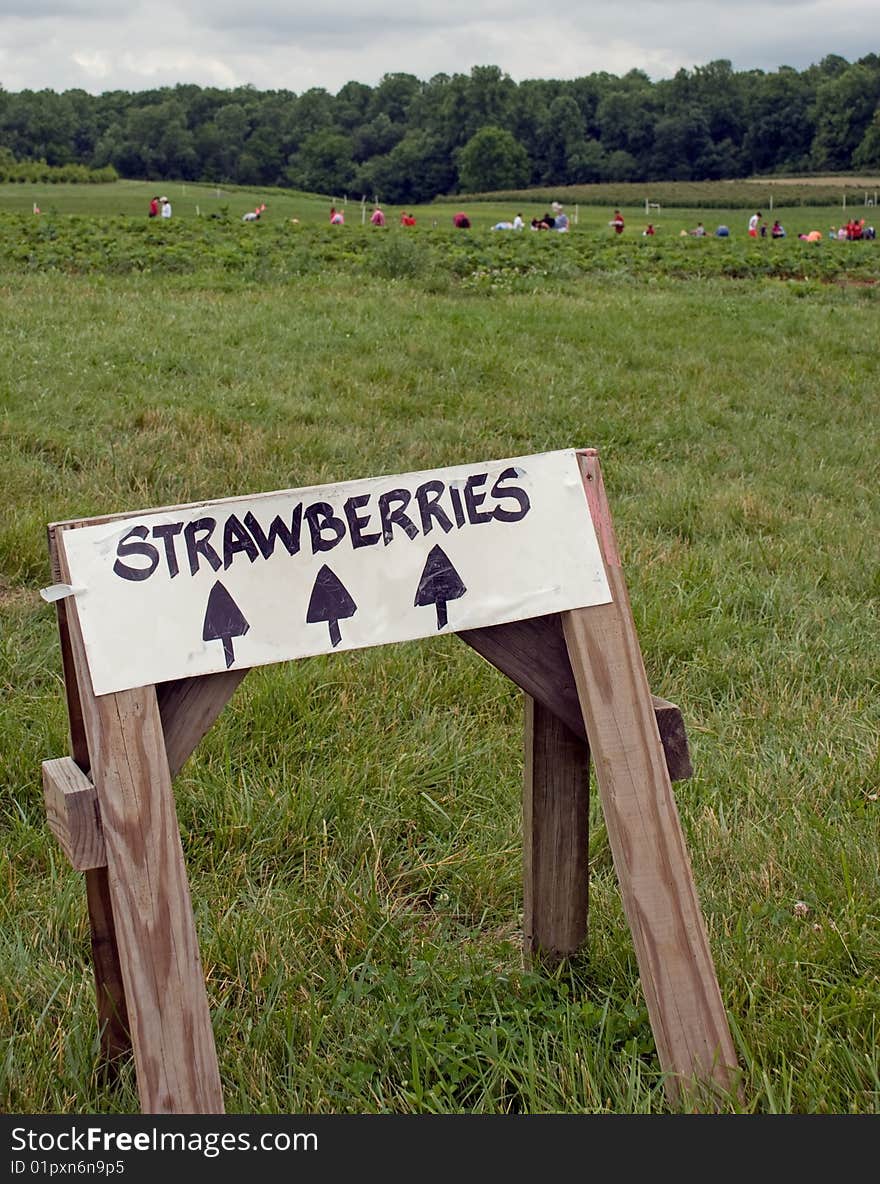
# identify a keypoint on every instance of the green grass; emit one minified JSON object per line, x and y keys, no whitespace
{"x":800,"y":209}
{"x":352,"y":823}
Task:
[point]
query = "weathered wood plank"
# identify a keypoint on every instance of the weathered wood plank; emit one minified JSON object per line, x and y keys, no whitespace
{"x":556,"y":802}
{"x":673,"y":737}
{"x":170,"y":1024}
{"x":78,"y":747}
{"x":72,"y":813}
{"x":188,"y":707}
{"x":652,"y":864}
{"x":533,"y":654}
{"x":113,"y":1026}
{"x":114,"y":1035}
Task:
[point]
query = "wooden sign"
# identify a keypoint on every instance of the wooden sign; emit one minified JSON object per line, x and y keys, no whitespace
{"x":519,"y":557}
{"x":242,"y":582}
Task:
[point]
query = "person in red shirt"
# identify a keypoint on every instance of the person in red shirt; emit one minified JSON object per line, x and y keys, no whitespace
{"x":407,"y":219}
{"x":617,"y":222}
{"x":154,"y":208}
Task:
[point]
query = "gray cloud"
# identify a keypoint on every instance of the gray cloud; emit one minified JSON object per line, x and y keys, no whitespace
{"x":100,"y":45}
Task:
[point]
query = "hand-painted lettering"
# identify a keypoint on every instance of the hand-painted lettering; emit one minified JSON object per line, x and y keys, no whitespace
{"x":278,"y":529}
{"x":428,"y":497}
{"x":389,"y":517}
{"x":166,"y":531}
{"x":432,"y":503}
{"x":196,"y":546}
{"x":513,"y":491}
{"x":457,"y":507}
{"x":125,"y":548}
{"x":320,"y":517}
{"x":357,"y":522}
{"x":474,"y":500}
{"x":235,"y":539}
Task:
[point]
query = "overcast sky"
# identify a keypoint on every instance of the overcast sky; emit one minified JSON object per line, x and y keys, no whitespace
{"x":131,"y":45}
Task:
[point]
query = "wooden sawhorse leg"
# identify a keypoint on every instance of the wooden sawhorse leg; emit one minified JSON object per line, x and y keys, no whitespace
{"x":556,"y":820}
{"x":164,"y":989}
{"x":681,"y":990}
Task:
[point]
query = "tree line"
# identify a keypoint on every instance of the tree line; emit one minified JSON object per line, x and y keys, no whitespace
{"x":408,"y":140}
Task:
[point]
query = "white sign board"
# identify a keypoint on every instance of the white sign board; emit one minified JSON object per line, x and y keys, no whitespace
{"x":242,"y":582}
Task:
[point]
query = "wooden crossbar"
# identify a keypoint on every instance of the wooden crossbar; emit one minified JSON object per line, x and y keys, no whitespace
{"x":73,"y":814}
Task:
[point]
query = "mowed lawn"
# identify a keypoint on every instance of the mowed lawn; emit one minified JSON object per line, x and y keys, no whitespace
{"x":352,"y":824}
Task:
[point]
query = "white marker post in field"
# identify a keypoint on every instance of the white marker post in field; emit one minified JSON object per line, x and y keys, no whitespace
{"x":161,"y":614}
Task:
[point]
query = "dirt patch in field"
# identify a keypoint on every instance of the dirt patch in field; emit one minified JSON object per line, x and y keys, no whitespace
{"x":15,"y":598}
{"x":840,"y":182}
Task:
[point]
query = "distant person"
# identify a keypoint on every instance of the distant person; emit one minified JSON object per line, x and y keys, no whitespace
{"x":254,"y":215}
{"x":722,"y":232}
{"x":407,"y":219}
{"x":777,"y":230}
{"x":649,"y":231}
{"x":548,"y":222}
{"x":154,"y":208}
{"x":165,"y":205}
{"x":503,"y":226}
{"x":617,"y":222}
{"x":461,"y":220}
{"x":754,"y":223}
{"x":560,"y":219}
{"x":869,"y":232}
{"x":699,"y":231}
{"x":518,"y":223}
{"x":377,"y":218}
{"x":337,"y":218}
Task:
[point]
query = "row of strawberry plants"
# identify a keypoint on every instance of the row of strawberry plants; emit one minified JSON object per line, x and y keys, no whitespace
{"x":281,"y":252}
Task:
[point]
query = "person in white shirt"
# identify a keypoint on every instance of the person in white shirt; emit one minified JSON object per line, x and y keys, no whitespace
{"x":754,"y":222}
{"x":166,"y":207}
{"x":518,"y":223}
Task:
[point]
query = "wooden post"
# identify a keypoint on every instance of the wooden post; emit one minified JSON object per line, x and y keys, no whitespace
{"x":556,"y":801}
{"x":158,"y":951}
{"x":659,"y":898}
{"x":114,"y":1035}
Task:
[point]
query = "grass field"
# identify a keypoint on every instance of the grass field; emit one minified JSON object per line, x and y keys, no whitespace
{"x":352,"y":823}
{"x":589,"y":207}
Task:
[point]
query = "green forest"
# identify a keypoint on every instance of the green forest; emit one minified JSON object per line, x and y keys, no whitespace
{"x":409,"y":140}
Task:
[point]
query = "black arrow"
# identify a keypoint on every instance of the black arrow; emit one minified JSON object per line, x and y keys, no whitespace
{"x":439,"y":582}
{"x":223,"y":621}
{"x":330,"y":602}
